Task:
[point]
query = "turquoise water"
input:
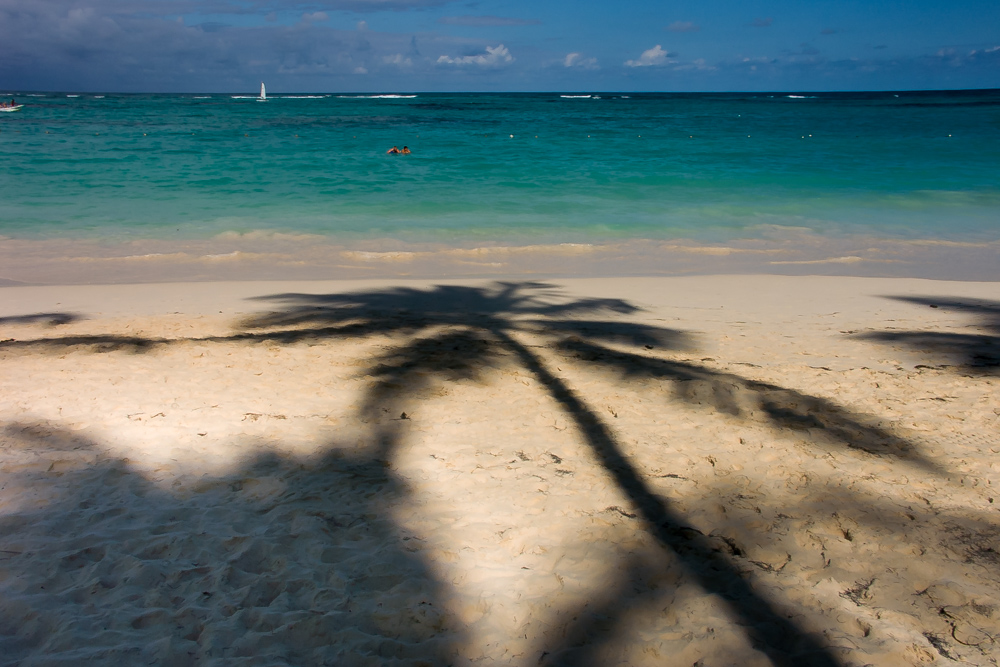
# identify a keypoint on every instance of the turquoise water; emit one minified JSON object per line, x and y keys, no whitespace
{"x":707,"y":167}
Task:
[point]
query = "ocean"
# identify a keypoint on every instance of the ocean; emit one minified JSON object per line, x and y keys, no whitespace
{"x":113,"y":175}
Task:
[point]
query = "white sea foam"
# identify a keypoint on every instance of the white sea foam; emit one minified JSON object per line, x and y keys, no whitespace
{"x":850,"y":259}
{"x":550,"y":249}
{"x":719,"y":251}
{"x":159,"y":256}
{"x":266,"y":235}
{"x":576,"y":97}
{"x":801,"y":97}
{"x":368,"y":256}
{"x":223,"y":256}
{"x":375,"y":97}
{"x":950,"y":244}
{"x":303,"y":97}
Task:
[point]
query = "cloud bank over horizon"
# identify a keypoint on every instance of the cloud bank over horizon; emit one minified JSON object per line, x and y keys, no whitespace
{"x":426,"y":45}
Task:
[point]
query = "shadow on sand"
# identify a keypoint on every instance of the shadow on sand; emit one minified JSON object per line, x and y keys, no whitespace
{"x":282,"y":561}
{"x":973,"y":353}
{"x":448,"y":333}
{"x":49,"y":319}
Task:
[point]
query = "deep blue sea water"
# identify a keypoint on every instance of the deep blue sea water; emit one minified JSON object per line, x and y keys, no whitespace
{"x":503,"y":168}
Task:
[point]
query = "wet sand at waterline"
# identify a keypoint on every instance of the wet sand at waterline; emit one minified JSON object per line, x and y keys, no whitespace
{"x":716,"y":470}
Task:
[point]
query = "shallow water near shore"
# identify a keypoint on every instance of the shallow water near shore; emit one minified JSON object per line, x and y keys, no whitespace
{"x":222,"y":172}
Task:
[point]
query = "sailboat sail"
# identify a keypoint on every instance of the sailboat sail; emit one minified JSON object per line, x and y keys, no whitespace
{"x":263,"y":93}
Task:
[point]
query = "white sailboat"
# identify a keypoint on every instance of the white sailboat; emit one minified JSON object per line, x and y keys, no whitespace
{"x":263,"y":93}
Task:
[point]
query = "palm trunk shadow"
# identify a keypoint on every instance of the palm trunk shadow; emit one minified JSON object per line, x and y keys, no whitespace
{"x":768,"y":629}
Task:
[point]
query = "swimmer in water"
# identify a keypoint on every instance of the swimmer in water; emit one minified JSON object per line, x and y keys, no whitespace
{"x":393,"y":151}
{"x":405,"y":151}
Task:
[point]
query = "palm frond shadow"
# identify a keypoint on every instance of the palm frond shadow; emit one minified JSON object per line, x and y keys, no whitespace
{"x":976,"y":353}
{"x":442,"y":303}
{"x":780,"y":407}
{"x":405,"y":374}
{"x":98,"y":343}
{"x":48,"y":319}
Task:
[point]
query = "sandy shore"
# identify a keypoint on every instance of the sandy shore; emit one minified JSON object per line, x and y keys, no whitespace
{"x":716,"y":470}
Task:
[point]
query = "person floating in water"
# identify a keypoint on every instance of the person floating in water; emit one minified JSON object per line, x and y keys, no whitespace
{"x":393,"y":151}
{"x":405,"y":151}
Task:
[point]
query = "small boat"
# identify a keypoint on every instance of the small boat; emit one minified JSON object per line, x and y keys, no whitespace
{"x":263,"y":93}
{"x":16,"y":107}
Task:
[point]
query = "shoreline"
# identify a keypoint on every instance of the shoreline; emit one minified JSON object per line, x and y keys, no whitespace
{"x":287,"y":256}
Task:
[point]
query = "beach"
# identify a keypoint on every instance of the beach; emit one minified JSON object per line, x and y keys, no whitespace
{"x":691,"y":470}
{"x":604,"y":379}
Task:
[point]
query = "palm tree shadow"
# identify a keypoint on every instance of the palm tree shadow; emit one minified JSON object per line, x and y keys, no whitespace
{"x":974,"y":353}
{"x":482,"y":327}
{"x":284,"y":560}
{"x":449,"y":333}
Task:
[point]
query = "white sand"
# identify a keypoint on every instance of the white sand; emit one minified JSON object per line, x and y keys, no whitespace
{"x":746,"y":471}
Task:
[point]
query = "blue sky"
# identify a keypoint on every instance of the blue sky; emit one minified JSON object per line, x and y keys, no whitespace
{"x":495,"y":45}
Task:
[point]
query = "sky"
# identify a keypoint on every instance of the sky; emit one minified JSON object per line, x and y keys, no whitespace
{"x":498,"y":45}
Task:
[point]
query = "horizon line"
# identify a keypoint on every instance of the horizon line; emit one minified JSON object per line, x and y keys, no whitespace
{"x":510,"y":92}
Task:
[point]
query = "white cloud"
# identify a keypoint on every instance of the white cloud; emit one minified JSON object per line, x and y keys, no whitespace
{"x":485,"y":21}
{"x":315,"y":17}
{"x":398,"y":59}
{"x":976,"y":52}
{"x":577,"y":60}
{"x":650,"y":57}
{"x":361,"y":70}
{"x":494,"y":56}
{"x":362,"y":25}
{"x":698,"y":64}
{"x":683,"y":26}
